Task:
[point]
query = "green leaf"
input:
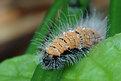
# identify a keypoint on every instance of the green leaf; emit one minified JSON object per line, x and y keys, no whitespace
{"x":102,"y":64}
{"x":19,"y":68}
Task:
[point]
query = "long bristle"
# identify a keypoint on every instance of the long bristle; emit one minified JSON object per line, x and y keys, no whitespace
{"x":96,"y":22}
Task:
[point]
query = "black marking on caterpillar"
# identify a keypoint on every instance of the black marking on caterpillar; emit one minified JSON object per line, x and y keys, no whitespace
{"x":68,"y":57}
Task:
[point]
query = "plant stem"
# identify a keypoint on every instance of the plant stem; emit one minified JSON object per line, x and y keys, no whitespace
{"x":114,"y":23}
{"x":43,"y":29}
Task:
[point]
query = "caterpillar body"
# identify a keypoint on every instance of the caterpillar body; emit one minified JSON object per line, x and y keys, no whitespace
{"x":79,"y":38}
{"x":62,"y":49}
{"x":70,"y":46}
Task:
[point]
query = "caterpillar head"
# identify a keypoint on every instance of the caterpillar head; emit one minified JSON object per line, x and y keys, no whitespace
{"x":52,"y":62}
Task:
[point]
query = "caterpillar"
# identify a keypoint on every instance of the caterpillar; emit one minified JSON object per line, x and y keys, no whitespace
{"x":70,"y":46}
{"x":64,"y":46}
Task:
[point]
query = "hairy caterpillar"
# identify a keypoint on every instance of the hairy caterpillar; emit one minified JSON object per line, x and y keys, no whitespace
{"x":70,"y":45}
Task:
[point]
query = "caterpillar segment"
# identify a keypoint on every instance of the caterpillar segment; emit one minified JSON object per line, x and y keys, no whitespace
{"x":88,"y":37}
{"x":70,"y":40}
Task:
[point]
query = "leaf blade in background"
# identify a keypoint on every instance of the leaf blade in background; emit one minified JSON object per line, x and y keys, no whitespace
{"x":114,"y":23}
{"x":45,"y":26}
